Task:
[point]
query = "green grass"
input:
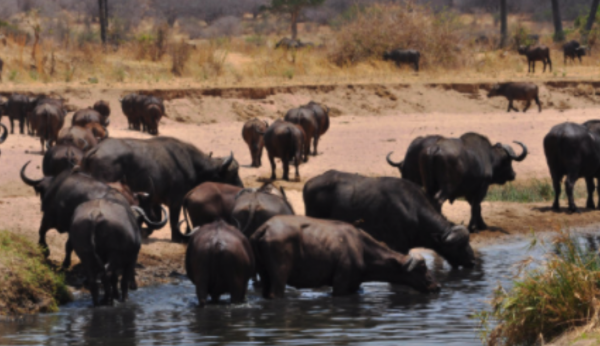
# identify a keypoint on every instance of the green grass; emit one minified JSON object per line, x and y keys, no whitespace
{"x":27,"y":282}
{"x":533,"y":190}
{"x":560,"y":294}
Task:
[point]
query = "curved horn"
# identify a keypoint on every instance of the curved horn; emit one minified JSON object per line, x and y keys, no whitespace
{"x":392,"y":163}
{"x":152,"y":224}
{"x":5,"y":134}
{"x":227,"y":162}
{"x":26,"y":180}
{"x":512,"y":154}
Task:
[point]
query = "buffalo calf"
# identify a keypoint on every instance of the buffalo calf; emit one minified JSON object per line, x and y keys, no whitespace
{"x":218,"y":260}
{"x":407,"y":56}
{"x":209,"y":202}
{"x":252,"y":133}
{"x":309,"y":253}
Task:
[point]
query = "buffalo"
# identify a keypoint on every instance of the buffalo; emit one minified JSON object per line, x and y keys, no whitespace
{"x":408,"y":56}
{"x":85,"y":116}
{"x":129,"y":107}
{"x":103,"y":107}
{"x":306,"y":119}
{"x":83,"y":138}
{"x":573,"y":49}
{"x":253,"y":207}
{"x":209,"y":202}
{"x":62,"y":194}
{"x":252,"y":133}
{"x":411,"y":159}
{"x":170,"y":169}
{"x":517,"y":91}
{"x":60,"y":158}
{"x":309,"y":253}
{"x":107,"y":238}
{"x":16,"y":107}
{"x":285,"y":141}
{"x":143,"y":112}
{"x":4,"y":133}
{"x":463,"y":167}
{"x":392,"y":210}
{"x":50,"y":118}
{"x":573,"y":150}
{"x":536,"y":53}
{"x":218,"y":260}
{"x":322,"y":114}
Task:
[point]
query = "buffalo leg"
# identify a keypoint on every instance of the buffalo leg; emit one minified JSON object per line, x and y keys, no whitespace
{"x":341,"y":283}
{"x":545,"y":63}
{"x":477,"y":223}
{"x":174,"y":210}
{"x":550,"y":63}
{"x":93,"y":285}
{"x":238,"y":289}
{"x":12,"y":125}
{"x":272,"y":161}
{"x":537,"y":101}
{"x":202,"y":293}
{"x":315,"y":144}
{"x":296,"y":164}
{"x":589,"y":183}
{"x":598,"y":190}
{"x":44,"y":228}
{"x":285,"y":162}
{"x":21,"y":124}
{"x":127,"y":279}
{"x":511,"y":106}
{"x":68,"y":251}
{"x":556,"y":184}
{"x":569,"y":185}
{"x":527,"y":105}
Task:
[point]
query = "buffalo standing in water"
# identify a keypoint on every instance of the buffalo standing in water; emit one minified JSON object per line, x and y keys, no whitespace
{"x":309,"y":253}
{"x":218,"y":260}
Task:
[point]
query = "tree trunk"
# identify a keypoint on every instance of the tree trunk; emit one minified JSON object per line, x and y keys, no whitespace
{"x":503,"y":23}
{"x":103,"y":16}
{"x":295,"y":15}
{"x":590,"y":21}
{"x":558,"y":31}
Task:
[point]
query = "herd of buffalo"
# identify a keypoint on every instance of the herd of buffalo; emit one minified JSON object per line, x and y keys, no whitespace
{"x":108,"y":195}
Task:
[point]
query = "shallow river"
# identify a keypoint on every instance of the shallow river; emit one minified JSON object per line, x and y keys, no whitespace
{"x":380,"y":315}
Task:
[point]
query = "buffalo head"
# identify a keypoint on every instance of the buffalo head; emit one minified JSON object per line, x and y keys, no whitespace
{"x":387,"y":55}
{"x":227,"y":171}
{"x":503,"y":156}
{"x":416,"y":274}
{"x":523,"y":50}
{"x":494,"y":91}
{"x":455,"y":248}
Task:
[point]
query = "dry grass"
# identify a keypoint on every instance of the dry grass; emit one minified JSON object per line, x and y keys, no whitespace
{"x":28,"y":285}
{"x":447,"y":42}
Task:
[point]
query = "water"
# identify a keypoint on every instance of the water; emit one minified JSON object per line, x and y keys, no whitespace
{"x":381,"y":314}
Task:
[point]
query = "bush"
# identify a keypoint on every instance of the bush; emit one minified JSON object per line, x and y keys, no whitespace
{"x":180,"y":54}
{"x":28,"y":283}
{"x":545,"y":302}
{"x":365,"y":33}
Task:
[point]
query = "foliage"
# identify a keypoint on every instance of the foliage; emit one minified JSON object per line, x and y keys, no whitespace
{"x":369,"y":32}
{"x":560,"y":294}
{"x":27,"y":284}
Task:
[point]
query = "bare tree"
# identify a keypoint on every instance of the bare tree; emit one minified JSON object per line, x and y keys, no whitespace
{"x":293,"y":8}
{"x":103,"y":16}
{"x":592,"y":16}
{"x":503,"y":23}
{"x":559,"y":35}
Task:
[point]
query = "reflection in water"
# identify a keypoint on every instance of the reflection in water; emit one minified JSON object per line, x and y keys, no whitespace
{"x":381,"y":314}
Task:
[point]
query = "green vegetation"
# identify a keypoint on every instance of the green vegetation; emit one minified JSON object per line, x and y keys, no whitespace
{"x":560,"y":294}
{"x":533,"y":190}
{"x":28,"y":284}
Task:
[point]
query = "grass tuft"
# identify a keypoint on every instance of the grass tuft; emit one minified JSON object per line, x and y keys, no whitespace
{"x":562,"y":293}
{"x":530,"y":191}
{"x":27,"y":283}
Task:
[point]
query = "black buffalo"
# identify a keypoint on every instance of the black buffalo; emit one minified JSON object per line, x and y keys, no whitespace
{"x":60,"y":158}
{"x":407,"y":56}
{"x":4,"y":133}
{"x":166,"y":166}
{"x":392,"y":210}
{"x":464,"y":167}
{"x":573,"y":150}
{"x":411,"y":159}
{"x":62,"y":194}
{"x":107,"y":238}
{"x":573,"y":49}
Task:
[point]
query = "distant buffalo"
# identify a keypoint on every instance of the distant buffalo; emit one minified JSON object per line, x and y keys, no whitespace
{"x":517,"y":91}
{"x":573,"y":49}
{"x":252,"y":133}
{"x":407,"y":56}
{"x":536,"y":53}
{"x":284,"y":140}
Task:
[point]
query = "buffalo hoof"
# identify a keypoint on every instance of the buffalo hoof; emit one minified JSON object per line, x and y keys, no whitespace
{"x":475,"y":228}
{"x":574,"y":209}
{"x":133,"y":285}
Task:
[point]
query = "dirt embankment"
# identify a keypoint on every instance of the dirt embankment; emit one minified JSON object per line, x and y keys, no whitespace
{"x":368,"y":121}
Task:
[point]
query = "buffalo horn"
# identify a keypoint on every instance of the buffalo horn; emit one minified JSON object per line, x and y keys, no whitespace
{"x":227,"y":162}
{"x":392,"y":163}
{"x":5,"y":134}
{"x":26,"y":180}
{"x":152,"y":224}
{"x":458,"y":235}
{"x":512,"y":154}
{"x":414,"y":260}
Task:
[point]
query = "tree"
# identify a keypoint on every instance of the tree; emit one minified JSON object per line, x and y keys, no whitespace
{"x":591,"y":17}
{"x":293,"y":7}
{"x":558,"y":31}
{"x":103,"y":16}
{"x":503,"y":23}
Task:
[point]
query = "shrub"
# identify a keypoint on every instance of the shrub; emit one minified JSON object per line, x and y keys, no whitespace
{"x":366,"y":33}
{"x":180,"y":54}
{"x":545,"y":302}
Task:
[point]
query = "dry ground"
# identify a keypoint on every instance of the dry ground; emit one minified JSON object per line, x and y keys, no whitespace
{"x":368,"y":122}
